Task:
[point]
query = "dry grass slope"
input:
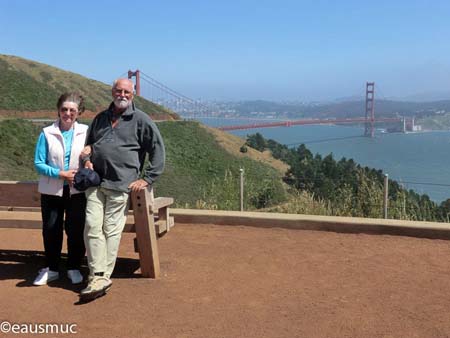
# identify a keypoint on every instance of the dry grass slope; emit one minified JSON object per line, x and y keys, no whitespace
{"x":233,"y":143}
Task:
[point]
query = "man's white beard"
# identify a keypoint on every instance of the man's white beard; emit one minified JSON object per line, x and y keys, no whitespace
{"x":121,"y":103}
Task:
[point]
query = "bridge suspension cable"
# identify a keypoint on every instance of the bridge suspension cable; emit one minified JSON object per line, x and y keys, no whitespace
{"x":181,"y":104}
{"x":380,"y":95}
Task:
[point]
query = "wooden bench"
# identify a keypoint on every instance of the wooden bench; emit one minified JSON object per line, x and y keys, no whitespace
{"x":145,"y":207}
{"x":148,"y":217}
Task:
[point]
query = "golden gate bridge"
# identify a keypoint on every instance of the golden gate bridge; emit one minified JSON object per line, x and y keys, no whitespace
{"x":161,"y":94}
{"x":309,"y":122}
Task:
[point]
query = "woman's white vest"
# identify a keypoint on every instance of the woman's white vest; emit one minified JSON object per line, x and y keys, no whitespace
{"x":55,"y":156}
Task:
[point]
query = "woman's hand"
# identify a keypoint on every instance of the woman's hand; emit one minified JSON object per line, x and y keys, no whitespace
{"x":68,"y":175}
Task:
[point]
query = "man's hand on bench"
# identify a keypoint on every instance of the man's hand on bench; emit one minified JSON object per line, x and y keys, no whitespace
{"x":138,"y":185}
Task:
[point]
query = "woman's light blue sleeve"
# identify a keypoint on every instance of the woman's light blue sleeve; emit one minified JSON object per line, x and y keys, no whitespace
{"x":40,"y":158}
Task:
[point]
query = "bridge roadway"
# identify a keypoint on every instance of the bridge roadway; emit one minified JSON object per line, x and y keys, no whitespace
{"x":307,"y":122}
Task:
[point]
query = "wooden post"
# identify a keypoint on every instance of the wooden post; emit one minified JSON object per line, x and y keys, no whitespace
{"x":386,"y":195}
{"x":241,"y":180}
{"x":146,"y":233}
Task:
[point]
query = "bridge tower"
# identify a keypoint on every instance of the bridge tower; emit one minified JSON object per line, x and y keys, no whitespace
{"x":370,"y":109}
{"x":136,"y":74}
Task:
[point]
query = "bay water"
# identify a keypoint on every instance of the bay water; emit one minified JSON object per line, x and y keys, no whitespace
{"x":419,"y":161}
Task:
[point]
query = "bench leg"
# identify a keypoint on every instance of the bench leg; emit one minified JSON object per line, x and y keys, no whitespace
{"x":164,"y":217}
{"x":145,"y":234}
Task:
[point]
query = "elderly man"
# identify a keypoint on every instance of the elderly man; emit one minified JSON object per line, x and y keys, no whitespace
{"x":119,"y":139}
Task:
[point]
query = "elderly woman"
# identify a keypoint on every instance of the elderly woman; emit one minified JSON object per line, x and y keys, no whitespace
{"x":63,"y":207}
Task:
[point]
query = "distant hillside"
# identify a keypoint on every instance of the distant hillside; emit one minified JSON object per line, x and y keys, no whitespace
{"x":247,"y":107}
{"x":435,"y":122}
{"x":28,"y":86}
{"x":385,"y":108}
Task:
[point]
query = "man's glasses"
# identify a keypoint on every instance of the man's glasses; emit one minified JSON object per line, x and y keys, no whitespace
{"x":118,"y":91}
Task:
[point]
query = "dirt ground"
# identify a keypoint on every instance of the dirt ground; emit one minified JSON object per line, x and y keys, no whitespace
{"x":235,"y":281}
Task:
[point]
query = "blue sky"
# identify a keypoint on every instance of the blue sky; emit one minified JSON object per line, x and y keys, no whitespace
{"x":276,"y":50}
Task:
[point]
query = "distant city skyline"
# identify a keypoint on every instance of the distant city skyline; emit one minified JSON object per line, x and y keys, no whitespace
{"x":243,"y":50}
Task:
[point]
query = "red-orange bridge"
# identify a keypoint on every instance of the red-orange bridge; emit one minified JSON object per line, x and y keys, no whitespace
{"x":369,"y":122}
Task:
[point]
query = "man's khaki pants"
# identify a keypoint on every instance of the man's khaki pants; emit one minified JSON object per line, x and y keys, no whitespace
{"x":106,"y":214}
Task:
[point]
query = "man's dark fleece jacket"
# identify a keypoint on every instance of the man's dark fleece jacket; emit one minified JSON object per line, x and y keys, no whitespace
{"x":118,"y":153}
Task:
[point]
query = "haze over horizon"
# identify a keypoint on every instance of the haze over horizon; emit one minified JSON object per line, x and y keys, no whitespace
{"x":238,"y":50}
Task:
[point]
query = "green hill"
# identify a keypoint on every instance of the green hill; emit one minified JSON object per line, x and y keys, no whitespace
{"x":17,"y":139}
{"x":29,"y":86}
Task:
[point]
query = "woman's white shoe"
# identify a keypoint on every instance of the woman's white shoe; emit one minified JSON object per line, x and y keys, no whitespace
{"x":45,"y":275}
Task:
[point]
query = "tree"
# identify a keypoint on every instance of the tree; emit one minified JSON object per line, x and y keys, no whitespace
{"x":257,"y":141}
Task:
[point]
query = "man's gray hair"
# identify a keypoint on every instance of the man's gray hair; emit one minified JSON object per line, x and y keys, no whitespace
{"x":119,"y":79}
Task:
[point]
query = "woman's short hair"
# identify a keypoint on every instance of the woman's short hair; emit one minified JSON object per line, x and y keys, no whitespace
{"x":71,"y":97}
